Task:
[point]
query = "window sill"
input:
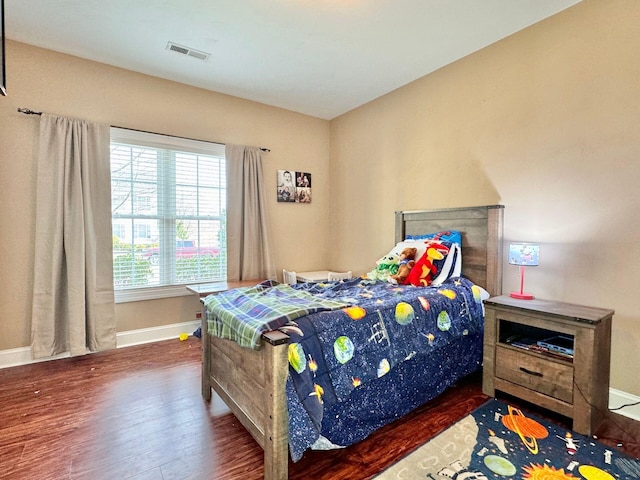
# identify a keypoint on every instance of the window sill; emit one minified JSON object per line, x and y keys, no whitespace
{"x":153,"y":293}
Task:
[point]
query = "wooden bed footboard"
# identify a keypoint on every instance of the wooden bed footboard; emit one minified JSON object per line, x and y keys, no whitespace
{"x":252,"y":384}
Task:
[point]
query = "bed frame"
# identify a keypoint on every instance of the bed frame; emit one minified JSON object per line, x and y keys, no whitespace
{"x":252,"y":382}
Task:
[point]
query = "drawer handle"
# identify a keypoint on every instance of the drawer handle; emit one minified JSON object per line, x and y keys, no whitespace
{"x":530,"y":372}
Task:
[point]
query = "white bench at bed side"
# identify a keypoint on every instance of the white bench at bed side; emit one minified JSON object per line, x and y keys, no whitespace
{"x":335,"y":276}
{"x":289,"y":277}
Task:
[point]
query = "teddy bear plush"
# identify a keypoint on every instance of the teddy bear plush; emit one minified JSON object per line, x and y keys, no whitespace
{"x":405,"y":264}
{"x":387,"y":265}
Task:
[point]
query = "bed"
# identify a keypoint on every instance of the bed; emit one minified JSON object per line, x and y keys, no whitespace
{"x":256,"y":384}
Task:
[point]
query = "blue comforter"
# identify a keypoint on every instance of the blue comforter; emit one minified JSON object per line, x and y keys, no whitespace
{"x":336,"y":355}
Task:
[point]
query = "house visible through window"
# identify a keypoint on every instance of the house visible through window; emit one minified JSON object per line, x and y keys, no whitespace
{"x":143,"y":231}
{"x":168,"y":213}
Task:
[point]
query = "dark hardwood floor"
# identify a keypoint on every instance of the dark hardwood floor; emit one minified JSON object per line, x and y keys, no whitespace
{"x":136,"y":413}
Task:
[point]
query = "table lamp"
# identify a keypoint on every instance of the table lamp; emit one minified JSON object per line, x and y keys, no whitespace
{"x":525,"y":255}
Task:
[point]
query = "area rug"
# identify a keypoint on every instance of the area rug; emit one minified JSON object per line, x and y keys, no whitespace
{"x":498,"y":440}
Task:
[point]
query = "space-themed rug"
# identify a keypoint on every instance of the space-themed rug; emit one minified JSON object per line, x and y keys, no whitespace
{"x":498,"y":441}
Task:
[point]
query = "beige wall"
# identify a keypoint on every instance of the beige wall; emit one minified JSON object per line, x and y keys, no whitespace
{"x":546,"y":122}
{"x":55,"y":83}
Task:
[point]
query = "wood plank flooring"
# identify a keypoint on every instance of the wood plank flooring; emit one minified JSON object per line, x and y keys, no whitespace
{"x":136,"y":413}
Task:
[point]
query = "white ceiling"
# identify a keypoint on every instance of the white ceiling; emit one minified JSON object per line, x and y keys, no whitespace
{"x":318,"y":57}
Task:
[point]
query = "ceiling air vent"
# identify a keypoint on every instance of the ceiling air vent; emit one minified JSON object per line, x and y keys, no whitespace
{"x":190,"y":52}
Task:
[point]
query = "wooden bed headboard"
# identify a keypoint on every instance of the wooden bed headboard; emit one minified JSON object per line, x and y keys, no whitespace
{"x":481,"y":229}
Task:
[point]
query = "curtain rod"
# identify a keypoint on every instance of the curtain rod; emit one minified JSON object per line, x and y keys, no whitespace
{"x":28,"y":111}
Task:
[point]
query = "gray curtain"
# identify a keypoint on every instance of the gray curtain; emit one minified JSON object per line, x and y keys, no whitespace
{"x":249,"y":253}
{"x":73,"y":302}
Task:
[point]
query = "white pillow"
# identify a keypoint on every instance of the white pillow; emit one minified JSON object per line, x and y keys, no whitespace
{"x":419,"y":245}
{"x":449,"y":269}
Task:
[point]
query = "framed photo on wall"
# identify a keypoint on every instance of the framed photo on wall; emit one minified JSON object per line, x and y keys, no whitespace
{"x":303,"y":187}
{"x":294,"y":186}
{"x":286,"y":186}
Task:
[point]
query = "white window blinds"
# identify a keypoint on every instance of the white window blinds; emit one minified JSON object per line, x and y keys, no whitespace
{"x":168,"y":210}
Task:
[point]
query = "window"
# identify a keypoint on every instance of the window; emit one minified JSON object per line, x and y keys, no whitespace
{"x":119,"y":231}
{"x":143,"y":231}
{"x":168,"y":204}
{"x":143,"y":202}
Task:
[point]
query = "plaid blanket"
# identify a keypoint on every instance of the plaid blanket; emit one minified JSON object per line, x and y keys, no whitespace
{"x":244,"y":314}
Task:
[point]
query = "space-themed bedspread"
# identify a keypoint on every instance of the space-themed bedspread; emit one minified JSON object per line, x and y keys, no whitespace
{"x":333,"y":353}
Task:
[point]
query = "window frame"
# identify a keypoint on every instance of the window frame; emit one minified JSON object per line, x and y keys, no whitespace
{"x":166,"y":142}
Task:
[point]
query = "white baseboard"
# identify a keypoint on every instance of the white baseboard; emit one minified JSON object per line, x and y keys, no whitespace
{"x":155,"y":334}
{"x":618,"y":398}
{"x":22,"y":356}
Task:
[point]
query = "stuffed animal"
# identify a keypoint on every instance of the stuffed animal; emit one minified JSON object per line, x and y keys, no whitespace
{"x":426,"y":269}
{"x":387,"y":265}
{"x":406,"y":263}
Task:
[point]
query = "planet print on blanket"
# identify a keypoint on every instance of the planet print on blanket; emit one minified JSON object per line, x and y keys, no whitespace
{"x":404,"y":313}
{"x":297,"y":359}
{"x":444,"y":321}
{"x":355,"y":313}
{"x":477,"y":293}
{"x":343,"y":349}
{"x":383,"y":367}
{"x":447,"y":292}
{"x":424,"y":303}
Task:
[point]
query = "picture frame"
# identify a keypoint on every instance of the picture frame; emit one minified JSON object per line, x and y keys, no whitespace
{"x":293,"y":187}
{"x":286,"y":186}
{"x":303,"y":187}
{"x":3,"y":74}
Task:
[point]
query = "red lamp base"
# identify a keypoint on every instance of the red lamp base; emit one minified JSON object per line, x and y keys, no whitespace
{"x":521,"y":296}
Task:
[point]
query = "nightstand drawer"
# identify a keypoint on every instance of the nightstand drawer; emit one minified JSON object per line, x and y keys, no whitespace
{"x":535,"y":373}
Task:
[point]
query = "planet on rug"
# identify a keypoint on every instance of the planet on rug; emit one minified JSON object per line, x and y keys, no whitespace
{"x":500,"y":441}
{"x":526,"y":428}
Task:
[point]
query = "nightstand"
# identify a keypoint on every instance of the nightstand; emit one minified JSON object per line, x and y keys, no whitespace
{"x":572,"y":379}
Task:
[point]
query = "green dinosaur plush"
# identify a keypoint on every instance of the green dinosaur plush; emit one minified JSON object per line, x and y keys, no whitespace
{"x":387,"y":265}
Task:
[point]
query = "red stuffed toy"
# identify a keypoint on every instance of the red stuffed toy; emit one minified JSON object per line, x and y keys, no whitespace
{"x":425,"y":270}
